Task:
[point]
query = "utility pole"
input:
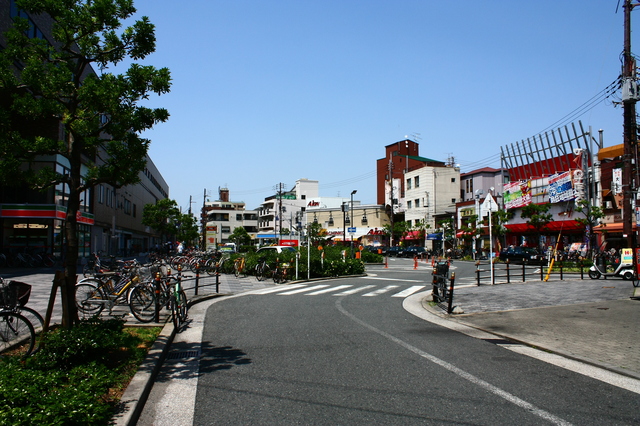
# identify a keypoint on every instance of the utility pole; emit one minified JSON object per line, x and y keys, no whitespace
{"x":203,"y":219}
{"x":629,"y":99}
{"x":391,"y":200}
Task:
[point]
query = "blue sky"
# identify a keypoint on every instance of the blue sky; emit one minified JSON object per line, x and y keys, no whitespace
{"x":272,"y":91}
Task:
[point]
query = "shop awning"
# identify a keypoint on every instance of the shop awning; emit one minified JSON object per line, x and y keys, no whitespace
{"x":413,"y":235}
{"x":555,"y":226}
{"x":611,"y":227}
{"x":461,"y":234}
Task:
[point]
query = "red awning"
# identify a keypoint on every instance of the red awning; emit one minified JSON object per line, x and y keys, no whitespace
{"x":414,"y":235}
{"x":461,"y":234}
{"x":555,"y":226}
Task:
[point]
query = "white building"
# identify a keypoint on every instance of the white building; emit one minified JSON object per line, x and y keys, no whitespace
{"x":430,"y":196}
{"x":224,"y":216}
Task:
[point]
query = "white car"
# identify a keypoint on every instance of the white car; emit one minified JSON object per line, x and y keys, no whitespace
{"x":276,"y":249}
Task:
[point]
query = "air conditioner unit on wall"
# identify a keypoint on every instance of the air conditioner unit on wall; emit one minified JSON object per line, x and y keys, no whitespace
{"x":608,"y":205}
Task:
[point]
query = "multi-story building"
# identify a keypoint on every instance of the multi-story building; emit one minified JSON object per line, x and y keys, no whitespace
{"x":109,"y":219}
{"x":284,"y":212}
{"x":431,"y":193}
{"x":224,"y":216}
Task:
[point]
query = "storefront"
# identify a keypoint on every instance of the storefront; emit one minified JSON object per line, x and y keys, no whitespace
{"x":39,"y":228}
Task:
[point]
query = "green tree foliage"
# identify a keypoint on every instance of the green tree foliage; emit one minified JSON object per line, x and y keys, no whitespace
{"x":165,"y":217}
{"x":592,"y":216}
{"x":240,"y":237}
{"x":56,"y":105}
{"x":539,"y":217}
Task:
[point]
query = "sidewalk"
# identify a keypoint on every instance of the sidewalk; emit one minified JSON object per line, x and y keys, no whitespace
{"x":593,"y":321}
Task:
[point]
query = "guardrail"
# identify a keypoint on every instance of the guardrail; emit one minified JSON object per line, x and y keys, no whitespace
{"x":522,"y":272}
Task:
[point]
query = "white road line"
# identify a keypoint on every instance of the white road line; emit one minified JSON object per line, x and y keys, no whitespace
{"x":354,"y":290}
{"x":393,"y":279}
{"x":381,"y":290}
{"x":275,"y":289}
{"x":458,"y":371}
{"x":409,"y":291}
{"x":328,"y":290}
{"x":301,"y":290}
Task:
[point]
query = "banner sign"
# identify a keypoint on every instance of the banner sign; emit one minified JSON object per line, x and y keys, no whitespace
{"x":561,"y":188}
{"x":516,"y":194}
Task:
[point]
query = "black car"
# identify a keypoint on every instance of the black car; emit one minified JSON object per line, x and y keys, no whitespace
{"x":521,"y":255}
{"x":395,"y":251}
{"x":414,"y":251}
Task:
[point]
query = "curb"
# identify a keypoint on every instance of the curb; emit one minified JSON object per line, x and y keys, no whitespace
{"x":458,"y":320}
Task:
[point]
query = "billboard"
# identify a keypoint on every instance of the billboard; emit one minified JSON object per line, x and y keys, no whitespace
{"x":516,"y":194}
{"x":561,"y":187}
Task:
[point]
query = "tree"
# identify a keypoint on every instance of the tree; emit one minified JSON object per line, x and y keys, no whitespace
{"x":592,"y":216}
{"x":538,"y":217}
{"x":165,"y":217}
{"x":240,"y":237}
{"x":57,"y":105}
{"x":162,"y":216}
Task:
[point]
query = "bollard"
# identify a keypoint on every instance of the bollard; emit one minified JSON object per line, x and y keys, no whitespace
{"x":415,"y":262}
{"x":156,"y":315}
{"x":508,"y":273}
{"x":217,"y":282}
{"x":386,"y":262}
{"x":197,"y":278}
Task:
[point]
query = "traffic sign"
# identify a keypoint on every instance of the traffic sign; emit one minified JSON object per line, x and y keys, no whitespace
{"x":351,"y":229}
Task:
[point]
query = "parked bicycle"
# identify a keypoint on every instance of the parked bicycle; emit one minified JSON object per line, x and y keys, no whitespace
{"x":17,"y":331}
{"x":262,"y":270}
{"x":106,"y":289}
{"x":281,"y":272}
{"x":238,"y":267}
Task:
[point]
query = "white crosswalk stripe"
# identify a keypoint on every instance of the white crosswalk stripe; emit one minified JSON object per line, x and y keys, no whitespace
{"x":409,"y":291}
{"x":329,"y":290}
{"x":302,"y":290}
{"x":370,"y":290}
{"x":381,"y":291}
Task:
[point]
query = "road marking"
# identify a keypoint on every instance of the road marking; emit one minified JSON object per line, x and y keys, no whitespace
{"x":392,"y":279}
{"x":354,"y":290}
{"x":381,"y":291}
{"x":458,"y":371}
{"x":329,"y":290}
{"x":302,"y":290}
{"x":409,"y":291}
{"x":275,"y":289}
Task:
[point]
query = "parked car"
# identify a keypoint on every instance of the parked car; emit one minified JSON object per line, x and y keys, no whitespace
{"x":414,"y":251}
{"x":276,"y":249}
{"x":376,"y":249}
{"x":395,"y":251}
{"x":521,"y":254}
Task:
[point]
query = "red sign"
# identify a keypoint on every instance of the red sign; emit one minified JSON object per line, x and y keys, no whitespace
{"x":292,"y":243}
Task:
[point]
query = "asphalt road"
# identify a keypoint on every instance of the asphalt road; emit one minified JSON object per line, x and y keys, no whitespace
{"x":361,"y":358}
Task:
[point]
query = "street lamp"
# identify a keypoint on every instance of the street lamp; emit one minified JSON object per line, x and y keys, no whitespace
{"x":351,"y":221}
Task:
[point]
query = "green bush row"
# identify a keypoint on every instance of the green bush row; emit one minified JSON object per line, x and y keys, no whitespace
{"x":68,"y":381}
{"x":333,"y":264}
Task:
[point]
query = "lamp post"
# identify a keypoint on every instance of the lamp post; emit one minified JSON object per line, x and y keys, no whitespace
{"x":351,"y":221}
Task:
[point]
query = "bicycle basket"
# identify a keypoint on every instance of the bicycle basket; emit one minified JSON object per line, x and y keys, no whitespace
{"x":15,"y":293}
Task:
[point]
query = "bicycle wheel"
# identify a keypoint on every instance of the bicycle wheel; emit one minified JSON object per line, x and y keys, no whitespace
{"x":179,"y":308}
{"x":17,"y":336}
{"x":258,"y":272}
{"x":142,"y":302}
{"x":90,"y":300}
{"x":33,"y":316}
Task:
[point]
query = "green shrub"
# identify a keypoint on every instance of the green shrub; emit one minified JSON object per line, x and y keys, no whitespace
{"x":68,"y":381}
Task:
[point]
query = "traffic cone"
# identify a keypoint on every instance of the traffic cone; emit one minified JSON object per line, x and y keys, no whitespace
{"x":415,"y":262}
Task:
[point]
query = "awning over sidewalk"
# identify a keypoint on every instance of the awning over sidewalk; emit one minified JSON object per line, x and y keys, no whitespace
{"x":555,"y":226}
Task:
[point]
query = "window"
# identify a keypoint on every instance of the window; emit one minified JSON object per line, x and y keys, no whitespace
{"x":239,"y":217}
{"x":135,"y":210}
{"x":453,"y":180}
{"x":225,"y":229}
{"x":408,"y":204}
{"x":101,"y":194}
{"x":416,"y":203}
{"x":453,"y":201}
{"x":409,"y":183}
{"x":416,"y":182}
